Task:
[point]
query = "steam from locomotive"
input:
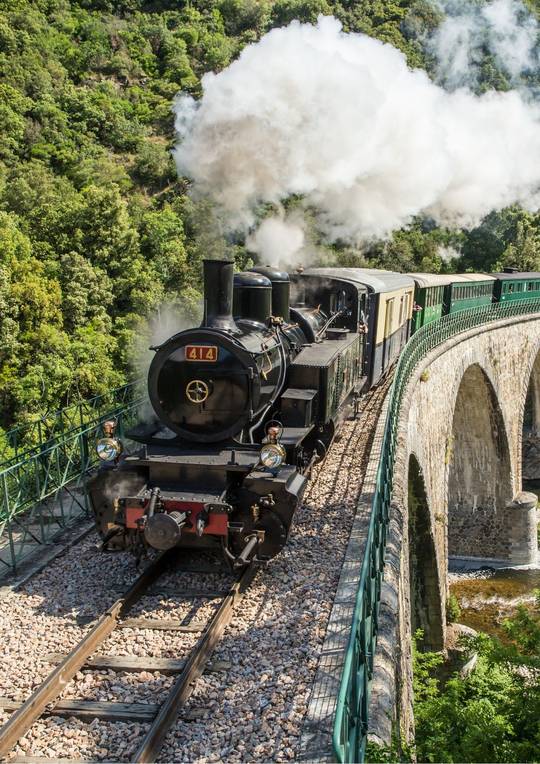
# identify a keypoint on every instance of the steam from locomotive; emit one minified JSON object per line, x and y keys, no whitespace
{"x":342,"y":121}
{"x":504,"y":28}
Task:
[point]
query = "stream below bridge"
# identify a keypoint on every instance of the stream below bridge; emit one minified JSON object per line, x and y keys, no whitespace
{"x":488,"y":596}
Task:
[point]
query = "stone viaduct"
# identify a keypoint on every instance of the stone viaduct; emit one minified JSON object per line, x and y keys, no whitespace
{"x":457,"y":491}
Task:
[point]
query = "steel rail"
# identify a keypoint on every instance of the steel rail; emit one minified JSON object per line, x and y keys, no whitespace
{"x":21,"y":721}
{"x":180,"y":691}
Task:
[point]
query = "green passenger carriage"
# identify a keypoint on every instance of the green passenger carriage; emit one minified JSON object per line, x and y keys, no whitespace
{"x":438,"y":295}
{"x":428,"y":297}
{"x":511,"y":286}
{"x":469,"y":290}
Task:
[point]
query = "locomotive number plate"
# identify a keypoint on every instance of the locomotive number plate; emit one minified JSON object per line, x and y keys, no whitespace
{"x":201,"y":353}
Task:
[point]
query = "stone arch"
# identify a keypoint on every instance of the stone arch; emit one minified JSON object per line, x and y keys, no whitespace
{"x":479,"y":471}
{"x":531,"y":426}
{"x":425,"y":592}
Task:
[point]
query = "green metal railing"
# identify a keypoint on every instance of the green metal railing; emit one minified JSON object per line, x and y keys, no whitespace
{"x":351,"y":720}
{"x":43,"y":431}
{"x":41,"y":483}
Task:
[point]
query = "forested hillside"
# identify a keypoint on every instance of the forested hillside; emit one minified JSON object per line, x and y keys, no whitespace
{"x":96,"y":231}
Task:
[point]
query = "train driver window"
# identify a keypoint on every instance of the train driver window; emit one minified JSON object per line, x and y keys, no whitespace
{"x":510,"y":287}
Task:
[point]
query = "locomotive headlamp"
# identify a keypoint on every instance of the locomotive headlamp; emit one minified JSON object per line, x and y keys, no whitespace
{"x":108,"y":449}
{"x":272,"y":455}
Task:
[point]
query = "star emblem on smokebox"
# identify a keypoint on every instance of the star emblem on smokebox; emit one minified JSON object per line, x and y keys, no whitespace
{"x":197,"y":391}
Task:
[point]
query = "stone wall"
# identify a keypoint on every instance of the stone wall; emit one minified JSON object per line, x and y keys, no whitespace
{"x":461,"y":424}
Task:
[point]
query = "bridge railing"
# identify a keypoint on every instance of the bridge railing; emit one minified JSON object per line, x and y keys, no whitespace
{"x":40,"y":484}
{"x":351,"y":720}
{"x":40,"y":432}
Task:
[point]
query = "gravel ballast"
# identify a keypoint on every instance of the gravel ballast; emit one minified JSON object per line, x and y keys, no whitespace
{"x":251,"y":710}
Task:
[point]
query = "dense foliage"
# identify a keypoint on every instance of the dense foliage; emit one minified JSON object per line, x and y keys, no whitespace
{"x":493,"y":714}
{"x":96,"y":231}
{"x":490,"y":714}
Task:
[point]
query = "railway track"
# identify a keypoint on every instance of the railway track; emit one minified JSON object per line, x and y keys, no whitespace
{"x":45,"y":700}
{"x":321,"y":529}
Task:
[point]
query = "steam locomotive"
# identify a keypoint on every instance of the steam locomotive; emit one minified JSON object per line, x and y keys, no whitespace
{"x":245,"y":405}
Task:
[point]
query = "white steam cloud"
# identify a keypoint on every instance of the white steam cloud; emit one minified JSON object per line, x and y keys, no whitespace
{"x":278,"y":240}
{"x":340,"y":121}
{"x":447,"y":254}
{"x":505,"y":29}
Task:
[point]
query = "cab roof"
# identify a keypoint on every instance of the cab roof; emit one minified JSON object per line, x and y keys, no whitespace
{"x":375,"y":280}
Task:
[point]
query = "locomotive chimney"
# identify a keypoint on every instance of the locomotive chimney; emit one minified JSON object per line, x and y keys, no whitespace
{"x":218,"y":295}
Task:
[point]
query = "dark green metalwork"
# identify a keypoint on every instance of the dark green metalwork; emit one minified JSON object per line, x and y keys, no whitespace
{"x":41,"y":485}
{"x":39,"y":433}
{"x":351,"y":720}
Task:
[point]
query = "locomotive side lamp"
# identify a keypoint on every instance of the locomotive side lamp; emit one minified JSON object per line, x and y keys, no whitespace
{"x":273,"y":453}
{"x":109,"y":448}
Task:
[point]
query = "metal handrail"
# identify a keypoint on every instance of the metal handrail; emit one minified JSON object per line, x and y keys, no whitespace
{"x":42,"y":431}
{"x":41,"y":488}
{"x":351,"y":719}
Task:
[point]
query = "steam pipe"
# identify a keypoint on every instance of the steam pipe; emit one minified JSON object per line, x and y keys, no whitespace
{"x":154,"y":496}
{"x":218,"y":295}
{"x":243,"y":557}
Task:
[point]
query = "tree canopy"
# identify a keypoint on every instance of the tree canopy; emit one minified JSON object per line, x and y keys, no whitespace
{"x":97,"y":232}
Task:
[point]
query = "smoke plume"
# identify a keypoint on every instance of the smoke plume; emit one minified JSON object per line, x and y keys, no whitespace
{"x":341,"y":122}
{"x":171,"y":318}
{"x":503,"y":29}
{"x":279,"y":240}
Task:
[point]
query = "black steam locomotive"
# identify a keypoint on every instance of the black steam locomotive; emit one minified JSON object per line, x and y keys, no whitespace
{"x":245,"y":405}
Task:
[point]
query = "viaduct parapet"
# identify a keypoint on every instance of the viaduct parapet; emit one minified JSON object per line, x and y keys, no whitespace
{"x":470,"y":411}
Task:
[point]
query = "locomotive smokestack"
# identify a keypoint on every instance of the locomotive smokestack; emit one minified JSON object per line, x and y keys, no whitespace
{"x":218,"y":295}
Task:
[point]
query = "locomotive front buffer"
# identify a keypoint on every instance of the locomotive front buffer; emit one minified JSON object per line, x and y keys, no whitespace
{"x":246,"y":516}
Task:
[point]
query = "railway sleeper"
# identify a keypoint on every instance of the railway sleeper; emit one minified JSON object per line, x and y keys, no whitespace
{"x":133,"y":663}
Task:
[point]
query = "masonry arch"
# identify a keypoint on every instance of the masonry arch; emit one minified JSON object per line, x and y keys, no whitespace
{"x":531,"y":420}
{"x":479,"y":471}
{"x":425,"y":595}
{"x":531,"y":429}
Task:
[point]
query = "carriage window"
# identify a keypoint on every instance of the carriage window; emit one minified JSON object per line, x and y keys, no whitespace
{"x":510,"y":287}
{"x":389,"y":317}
